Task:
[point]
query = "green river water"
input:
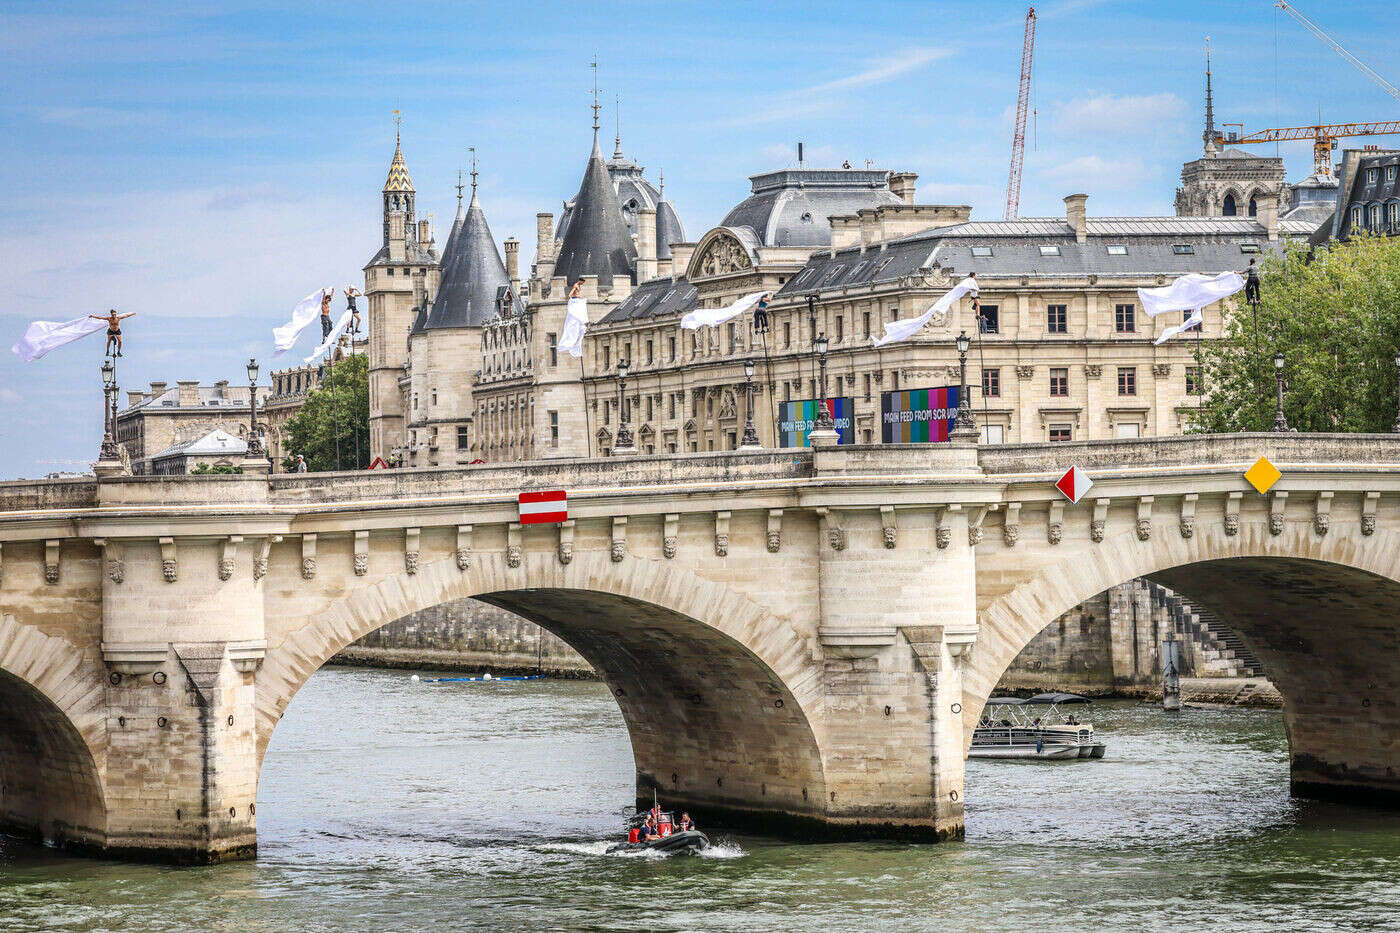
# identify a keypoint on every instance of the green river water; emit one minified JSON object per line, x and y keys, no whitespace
{"x":392,"y":805}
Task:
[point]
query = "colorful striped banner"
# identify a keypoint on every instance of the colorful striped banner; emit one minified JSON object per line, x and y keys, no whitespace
{"x":797,"y":419}
{"x":918,"y":416}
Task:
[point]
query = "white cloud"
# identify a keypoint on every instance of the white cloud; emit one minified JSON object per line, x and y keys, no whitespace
{"x":900,"y":63}
{"x":1114,"y":115}
{"x":1093,"y":173}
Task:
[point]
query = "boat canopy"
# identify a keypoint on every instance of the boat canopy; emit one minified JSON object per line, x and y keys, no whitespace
{"x":1005,"y":701}
{"x":1054,"y":699}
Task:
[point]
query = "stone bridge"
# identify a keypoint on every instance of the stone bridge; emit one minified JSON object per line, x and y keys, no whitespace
{"x":798,"y":639}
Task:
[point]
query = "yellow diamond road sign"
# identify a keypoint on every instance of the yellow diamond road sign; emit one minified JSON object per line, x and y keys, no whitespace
{"x":1262,"y":475}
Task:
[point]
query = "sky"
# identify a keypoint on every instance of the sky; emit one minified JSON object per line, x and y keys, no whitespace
{"x":207,"y":165}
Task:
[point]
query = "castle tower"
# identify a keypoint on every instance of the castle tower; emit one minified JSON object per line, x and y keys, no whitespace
{"x":597,"y":241}
{"x":401,"y":271}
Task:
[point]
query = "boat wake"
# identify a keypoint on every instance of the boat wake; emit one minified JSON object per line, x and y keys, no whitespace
{"x":723,"y":850}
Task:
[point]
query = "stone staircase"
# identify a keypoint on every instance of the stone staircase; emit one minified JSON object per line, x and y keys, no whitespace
{"x":1209,"y":647}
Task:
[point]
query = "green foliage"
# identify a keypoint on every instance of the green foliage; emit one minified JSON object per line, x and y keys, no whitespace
{"x":328,"y":416}
{"x":218,"y":469}
{"x":1336,"y":318}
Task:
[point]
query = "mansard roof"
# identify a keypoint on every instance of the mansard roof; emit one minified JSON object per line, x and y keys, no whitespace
{"x":473,"y":275}
{"x":793,"y":207}
{"x":654,"y":298}
{"x":596,"y":240}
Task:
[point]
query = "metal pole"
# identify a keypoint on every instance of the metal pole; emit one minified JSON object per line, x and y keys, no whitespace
{"x":825,"y":421}
{"x":335,"y":415}
{"x":1280,"y":422}
{"x":1396,"y":428}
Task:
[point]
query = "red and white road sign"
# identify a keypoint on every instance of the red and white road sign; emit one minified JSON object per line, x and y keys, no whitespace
{"x":543,"y":508}
{"x":1074,"y":484}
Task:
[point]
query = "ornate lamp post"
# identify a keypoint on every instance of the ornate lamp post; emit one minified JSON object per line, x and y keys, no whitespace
{"x":110,"y":451}
{"x":824,"y":419}
{"x":750,"y":441}
{"x":255,"y":451}
{"x":1280,"y":422}
{"x":1396,"y":428}
{"x":624,"y":443}
{"x":964,"y":428}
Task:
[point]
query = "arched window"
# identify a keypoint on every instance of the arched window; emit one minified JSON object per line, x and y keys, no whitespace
{"x":1228,"y":208}
{"x":1392,"y":214}
{"x":1375,"y":216}
{"x":1253,"y":207}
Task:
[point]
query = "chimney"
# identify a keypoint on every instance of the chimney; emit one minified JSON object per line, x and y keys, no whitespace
{"x":680,"y":257}
{"x":902,"y":185}
{"x":425,"y":233}
{"x":134,"y":397}
{"x":868,"y":227}
{"x":1267,"y":207}
{"x":513,"y":264}
{"x":189,"y":393}
{"x":646,"y":244}
{"x":1077,"y":215}
{"x":222,"y":388}
{"x":157,"y":389}
{"x":544,"y":246}
{"x":664,"y":268}
{"x":397,"y":250}
{"x":590,"y":286}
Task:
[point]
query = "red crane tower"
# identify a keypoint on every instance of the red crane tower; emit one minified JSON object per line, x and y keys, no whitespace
{"x":1018,"y":143}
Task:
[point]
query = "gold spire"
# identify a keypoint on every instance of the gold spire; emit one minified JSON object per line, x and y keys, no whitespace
{"x":398,"y":179}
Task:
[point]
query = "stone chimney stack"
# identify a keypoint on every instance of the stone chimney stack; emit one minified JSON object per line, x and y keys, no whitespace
{"x":1077,"y":215}
{"x":157,"y":389}
{"x":513,"y":264}
{"x":902,"y":185}
{"x":189,"y":393}
{"x":544,"y":246}
{"x":398,"y":251}
{"x":680,"y":257}
{"x":134,"y":397}
{"x":222,"y":387}
{"x":646,"y":244}
{"x":425,"y":233}
{"x":1267,"y":206}
{"x":869,"y":228}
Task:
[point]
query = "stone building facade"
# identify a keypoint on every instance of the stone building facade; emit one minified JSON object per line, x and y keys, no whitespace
{"x":161,"y":418}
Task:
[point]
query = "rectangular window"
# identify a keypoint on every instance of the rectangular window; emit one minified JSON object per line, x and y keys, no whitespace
{"x":1049,"y":251}
{"x":1356,"y":217}
{"x":553,"y":341}
{"x":463,"y":437}
{"x":1392,"y":213}
{"x":694,"y":345}
{"x":671,"y":406}
{"x":1372,"y":174}
{"x":1127,"y":380}
{"x":1186,"y":316}
{"x":1126,"y":430}
{"x":865,"y":320}
{"x":731,"y":337}
{"x":896,"y":380}
{"x":867,"y":386}
{"x":607,"y":357}
{"x":1249,"y":248}
{"x":554,"y":429}
{"x":1059,"y":381}
{"x":650,"y":356}
{"x":1056,"y":319}
{"x":607,"y":412}
{"x":1059,"y":433}
{"x":1390,"y":173}
{"x":1194,"y":385}
{"x":981,"y":252}
{"x":1124,"y":318}
{"x":840,"y":328}
{"x":787,"y":334}
{"x":993,"y":434}
{"x":670,"y":349}
{"x":1117,"y":249}
{"x":991,"y":383}
{"x":988,"y":319}
{"x":649,"y":413}
{"x":1183,"y":249}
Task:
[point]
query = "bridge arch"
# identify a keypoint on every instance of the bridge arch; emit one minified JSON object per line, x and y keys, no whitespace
{"x":52,"y":737}
{"x":719,"y":696}
{"x":1322,"y":611}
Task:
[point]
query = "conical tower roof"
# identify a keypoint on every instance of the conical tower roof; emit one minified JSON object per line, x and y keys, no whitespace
{"x":398,"y":179}
{"x":473,"y":275}
{"x":597,"y":241}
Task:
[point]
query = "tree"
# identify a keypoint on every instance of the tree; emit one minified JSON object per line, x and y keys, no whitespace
{"x":338,"y":410}
{"x":1335,"y":316}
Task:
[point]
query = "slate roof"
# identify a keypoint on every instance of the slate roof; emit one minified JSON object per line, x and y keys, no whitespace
{"x":215,"y":443}
{"x":597,"y":240}
{"x":1357,"y":189}
{"x":634,"y":194}
{"x":473,"y":275}
{"x":793,"y":207}
{"x":210,"y":397}
{"x":398,"y":179}
{"x":654,"y":298}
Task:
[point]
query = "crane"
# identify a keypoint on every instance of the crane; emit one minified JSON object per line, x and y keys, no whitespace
{"x":1323,"y":135}
{"x":1018,"y":142}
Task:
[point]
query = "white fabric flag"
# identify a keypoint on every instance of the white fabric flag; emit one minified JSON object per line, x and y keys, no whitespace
{"x":1192,"y":291}
{"x":1187,"y":324}
{"x":42,"y":336}
{"x":575,"y":323}
{"x":903,"y":330}
{"x":306,"y":311}
{"x":713,"y":317}
{"x":331,"y":338}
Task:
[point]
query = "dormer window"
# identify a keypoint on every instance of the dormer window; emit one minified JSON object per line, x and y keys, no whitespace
{"x":1390,"y":173}
{"x":1372,"y":175}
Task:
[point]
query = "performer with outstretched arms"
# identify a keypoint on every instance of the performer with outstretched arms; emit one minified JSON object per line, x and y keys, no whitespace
{"x":351,"y":293}
{"x":326,"y":324}
{"x":114,"y":329}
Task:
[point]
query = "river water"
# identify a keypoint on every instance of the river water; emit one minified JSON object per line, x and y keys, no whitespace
{"x":387,"y":804}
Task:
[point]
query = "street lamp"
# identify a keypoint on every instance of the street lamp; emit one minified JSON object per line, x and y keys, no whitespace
{"x":964,"y":428}
{"x":624,"y":432}
{"x":750,"y":434}
{"x":824,"y":420}
{"x":1280,"y":422}
{"x":1396,"y":428}
{"x":109,"y":412}
{"x":254,"y":445}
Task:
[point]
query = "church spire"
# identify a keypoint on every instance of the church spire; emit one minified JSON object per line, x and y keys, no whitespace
{"x":594,"y":65}
{"x":617,"y":119}
{"x":1209,"y":136}
{"x":472,"y":150}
